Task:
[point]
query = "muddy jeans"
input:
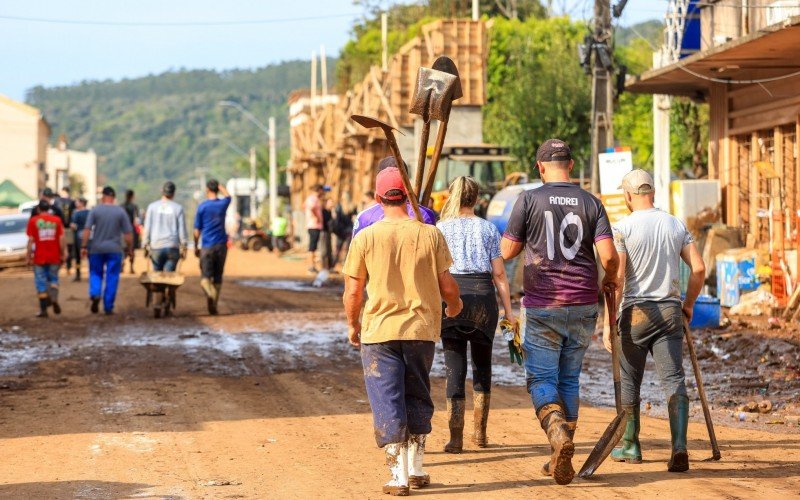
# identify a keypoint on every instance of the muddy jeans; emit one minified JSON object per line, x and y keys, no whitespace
{"x":556,"y":339}
{"x":396,"y":374}
{"x":655,"y":327}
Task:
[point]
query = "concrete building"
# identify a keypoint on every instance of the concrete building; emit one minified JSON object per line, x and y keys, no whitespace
{"x":23,"y":146}
{"x":74,"y":169}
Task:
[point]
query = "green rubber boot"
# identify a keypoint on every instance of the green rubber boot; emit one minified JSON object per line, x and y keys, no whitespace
{"x":678,"y":424}
{"x":631,"y":450}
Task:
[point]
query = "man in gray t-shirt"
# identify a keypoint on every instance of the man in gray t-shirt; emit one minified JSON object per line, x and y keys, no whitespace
{"x":107,"y":226}
{"x":651,"y":244}
{"x":165,"y":234}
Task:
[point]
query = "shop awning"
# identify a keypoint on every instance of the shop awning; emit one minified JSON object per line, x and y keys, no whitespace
{"x":11,"y":196}
{"x":772,"y":52}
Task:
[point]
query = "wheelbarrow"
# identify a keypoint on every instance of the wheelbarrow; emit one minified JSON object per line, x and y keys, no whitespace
{"x":161,"y":287}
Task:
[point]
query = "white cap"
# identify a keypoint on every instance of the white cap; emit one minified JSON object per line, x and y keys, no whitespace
{"x":638,"y":182}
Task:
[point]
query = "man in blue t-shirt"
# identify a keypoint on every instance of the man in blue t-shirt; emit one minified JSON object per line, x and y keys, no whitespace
{"x":209,"y":223}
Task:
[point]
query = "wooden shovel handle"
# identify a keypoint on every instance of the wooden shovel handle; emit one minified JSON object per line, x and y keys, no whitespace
{"x":616,"y":348}
{"x":401,"y":166}
{"x":437,"y":154}
{"x":712,"y":436}
{"x":423,"y":153}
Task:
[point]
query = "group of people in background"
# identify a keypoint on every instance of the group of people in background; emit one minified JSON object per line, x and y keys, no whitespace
{"x":62,"y":231}
{"x":330,"y":229}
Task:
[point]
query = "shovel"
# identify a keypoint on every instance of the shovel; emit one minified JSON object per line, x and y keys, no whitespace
{"x":616,"y":428}
{"x":435,"y":91}
{"x":430,"y":87}
{"x":388,"y":130}
{"x":715,"y":453}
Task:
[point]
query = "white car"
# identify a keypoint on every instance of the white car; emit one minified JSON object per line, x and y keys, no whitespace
{"x":13,"y":240}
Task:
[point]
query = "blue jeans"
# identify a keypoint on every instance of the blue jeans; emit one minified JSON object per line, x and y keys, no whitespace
{"x":45,"y":276}
{"x":396,"y":374}
{"x":556,"y":339}
{"x":165,"y":259}
{"x":110,"y":265}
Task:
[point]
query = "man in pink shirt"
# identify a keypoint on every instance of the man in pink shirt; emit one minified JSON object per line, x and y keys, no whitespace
{"x":313,"y":209}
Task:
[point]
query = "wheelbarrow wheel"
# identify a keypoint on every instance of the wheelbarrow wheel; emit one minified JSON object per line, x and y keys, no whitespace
{"x":158,"y":302}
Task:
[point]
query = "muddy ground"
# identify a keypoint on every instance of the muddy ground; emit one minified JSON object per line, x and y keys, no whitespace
{"x":266,"y":400}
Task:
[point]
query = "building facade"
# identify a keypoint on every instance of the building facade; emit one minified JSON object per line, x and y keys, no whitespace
{"x":23,"y":146}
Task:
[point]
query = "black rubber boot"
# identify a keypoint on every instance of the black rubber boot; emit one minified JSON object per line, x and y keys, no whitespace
{"x":678,"y":425}
{"x":455,"y":419}
{"x":558,"y":433}
{"x":481,"y":402}
{"x":54,"y":299}
{"x":630,"y":450}
{"x":42,"y":308}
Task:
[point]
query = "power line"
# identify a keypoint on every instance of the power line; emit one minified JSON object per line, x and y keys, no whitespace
{"x":737,"y":82}
{"x":240,"y":22}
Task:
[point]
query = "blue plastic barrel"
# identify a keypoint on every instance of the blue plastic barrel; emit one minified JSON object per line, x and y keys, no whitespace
{"x":706,"y":313}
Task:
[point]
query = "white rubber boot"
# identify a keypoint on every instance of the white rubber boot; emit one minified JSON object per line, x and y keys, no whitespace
{"x":417,"y":477}
{"x":397,"y":460}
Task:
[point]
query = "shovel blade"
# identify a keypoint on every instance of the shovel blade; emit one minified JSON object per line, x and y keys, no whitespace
{"x":603,"y":448}
{"x":434,"y":94}
{"x":370,"y":122}
{"x":444,"y":63}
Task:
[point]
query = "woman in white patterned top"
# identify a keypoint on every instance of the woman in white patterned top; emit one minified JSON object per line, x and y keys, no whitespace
{"x":479,"y":269}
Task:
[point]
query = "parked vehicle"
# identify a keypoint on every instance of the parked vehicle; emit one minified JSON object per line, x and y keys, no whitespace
{"x":255,"y":238}
{"x":13,"y":240}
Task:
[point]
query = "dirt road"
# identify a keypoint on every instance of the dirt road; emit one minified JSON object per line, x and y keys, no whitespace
{"x":267,"y":401}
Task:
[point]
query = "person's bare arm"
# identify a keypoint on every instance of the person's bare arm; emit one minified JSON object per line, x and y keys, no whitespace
{"x":510,"y":248}
{"x":623,"y":262}
{"x":694,"y":260}
{"x":196,"y":243}
{"x":62,"y":247}
{"x":224,"y":191}
{"x":451,"y":295}
{"x":85,"y":242}
{"x":353,"y":299}
{"x":29,"y":252}
{"x":609,"y":259}
{"x":503,"y":289}
{"x":128,"y":237}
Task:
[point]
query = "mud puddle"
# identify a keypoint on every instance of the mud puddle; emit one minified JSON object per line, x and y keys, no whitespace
{"x":293,"y":285}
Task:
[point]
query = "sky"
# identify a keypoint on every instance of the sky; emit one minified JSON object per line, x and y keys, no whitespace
{"x":63,"y":53}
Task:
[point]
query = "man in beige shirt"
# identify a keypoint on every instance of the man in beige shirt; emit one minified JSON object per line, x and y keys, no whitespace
{"x":404,"y":266}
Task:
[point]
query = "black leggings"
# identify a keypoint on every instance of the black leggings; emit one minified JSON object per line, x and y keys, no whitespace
{"x":455,"y":361}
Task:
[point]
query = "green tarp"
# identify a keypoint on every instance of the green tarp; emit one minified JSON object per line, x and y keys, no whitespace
{"x":10,"y":195}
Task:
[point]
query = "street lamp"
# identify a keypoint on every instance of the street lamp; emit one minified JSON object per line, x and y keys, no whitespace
{"x":251,"y":156}
{"x":229,"y":143}
{"x":273,"y":171}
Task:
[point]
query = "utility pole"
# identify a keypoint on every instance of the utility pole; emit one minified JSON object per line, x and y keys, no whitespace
{"x":602,"y":88}
{"x":323,"y":67}
{"x":253,"y":208}
{"x":313,"y":84}
{"x":273,"y":173}
{"x":384,"y":42}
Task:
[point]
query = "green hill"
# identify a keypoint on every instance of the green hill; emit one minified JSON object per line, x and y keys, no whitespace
{"x":150,"y":129}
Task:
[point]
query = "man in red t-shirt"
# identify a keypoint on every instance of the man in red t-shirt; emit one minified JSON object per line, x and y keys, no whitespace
{"x":46,"y":253}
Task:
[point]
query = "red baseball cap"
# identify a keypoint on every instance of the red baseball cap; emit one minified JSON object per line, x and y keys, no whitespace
{"x":387,"y":180}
